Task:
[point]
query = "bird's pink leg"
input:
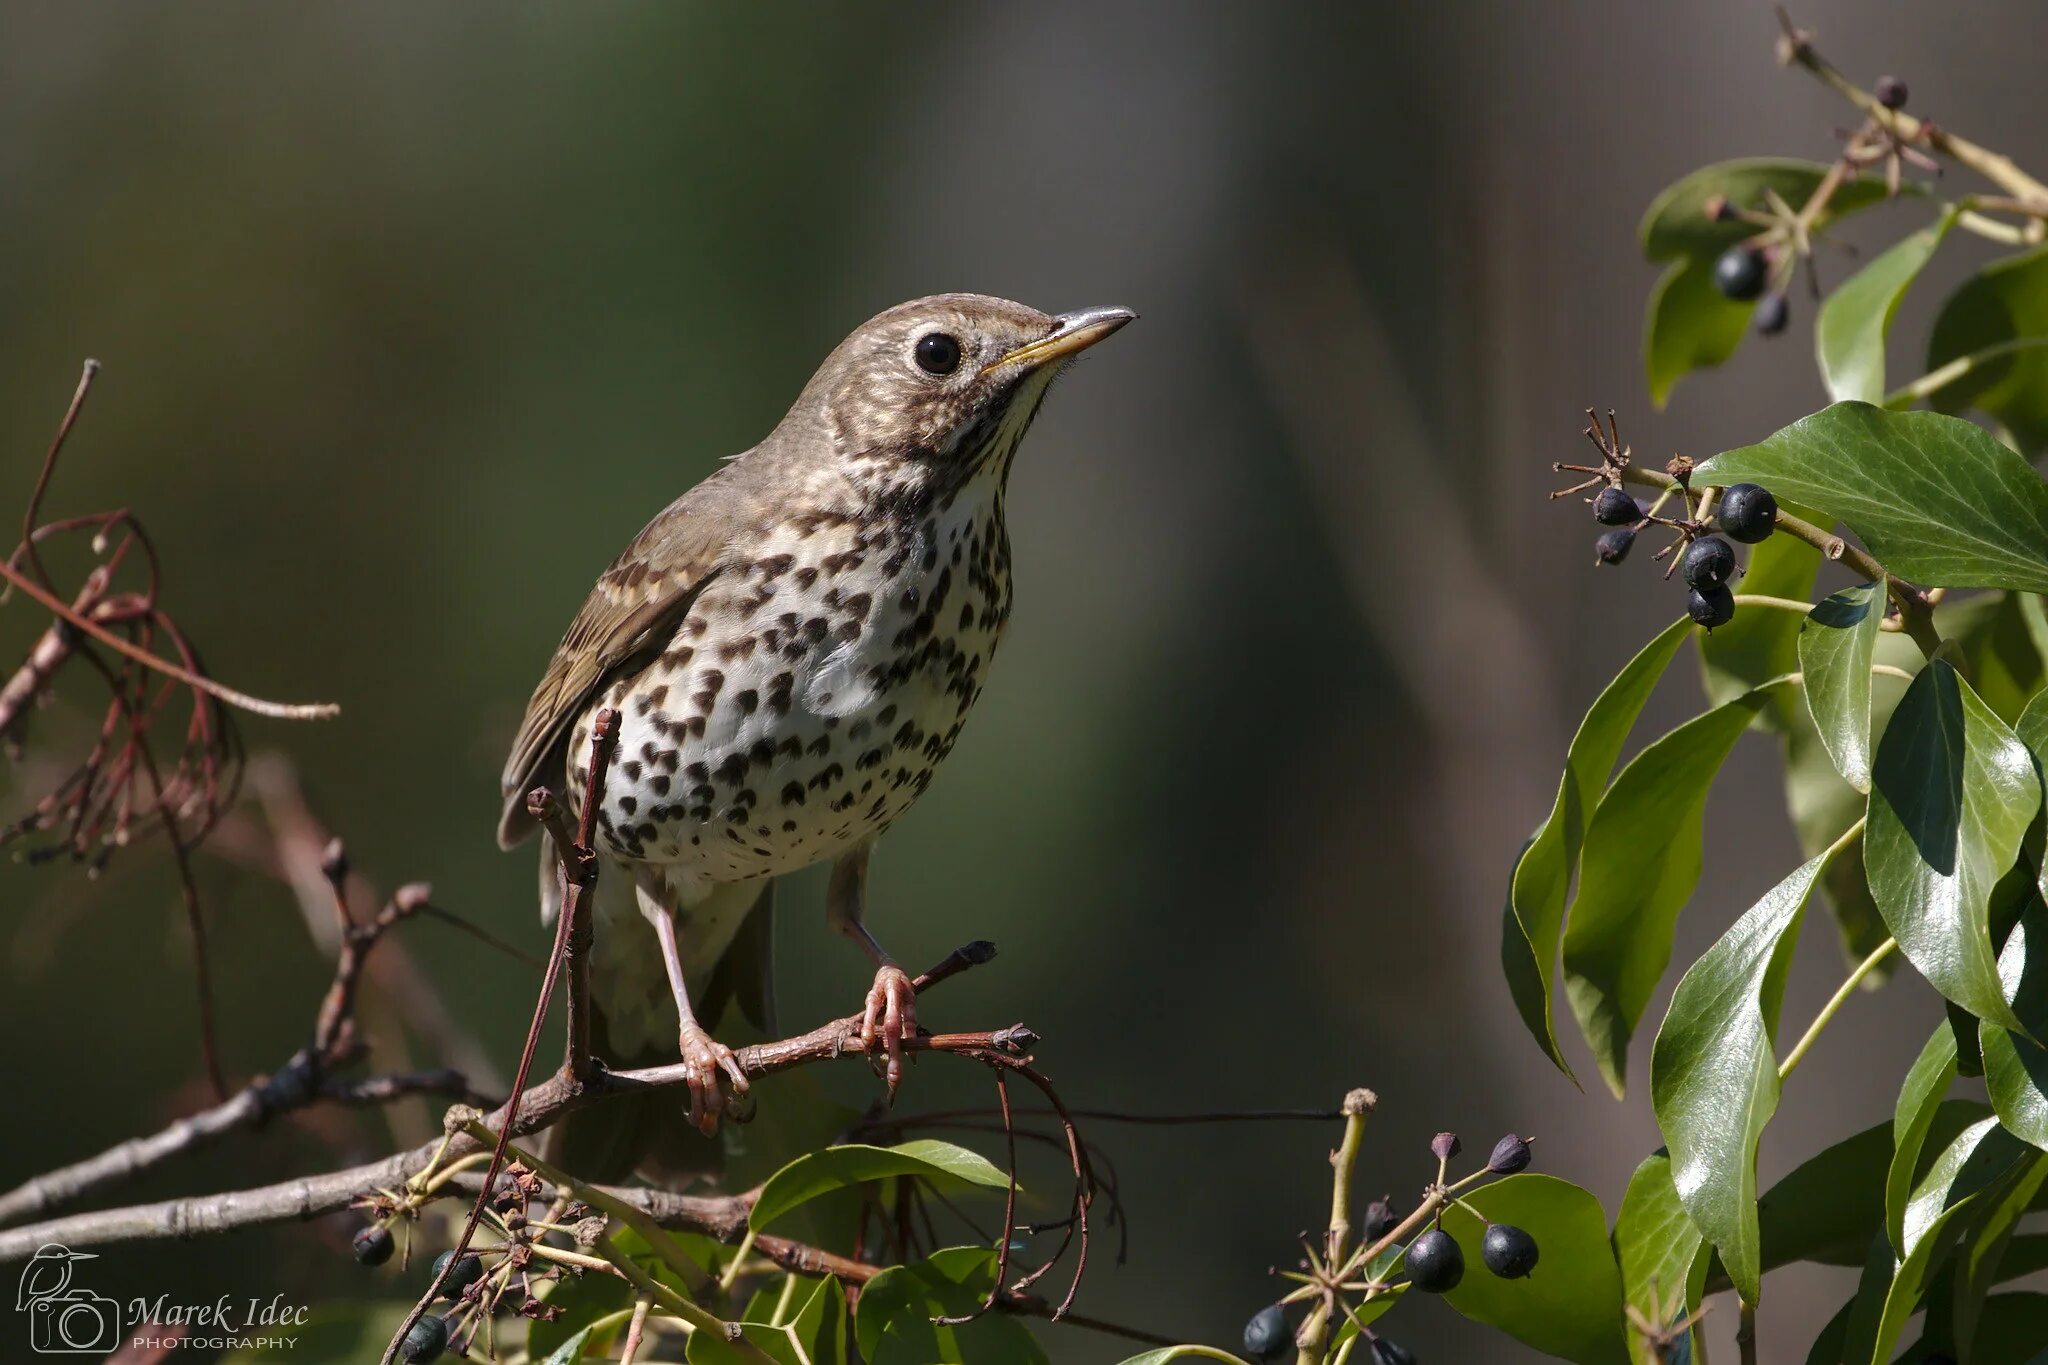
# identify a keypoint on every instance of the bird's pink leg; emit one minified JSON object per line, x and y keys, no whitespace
{"x":889,"y":1016}
{"x":704,"y":1057}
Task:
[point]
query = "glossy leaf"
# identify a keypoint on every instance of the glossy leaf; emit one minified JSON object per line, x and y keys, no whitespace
{"x":1534,"y":917}
{"x":1661,"y":1255}
{"x":2016,"y":1066}
{"x":2002,"y":655}
{"x":1835,"y":648}
{"x":1822,"y":807}
{"x":2005,"y":302}
{"x":1677,"y":223}
{"x":835,"y":1168}
{"x":1913,"y":1117}
{"x":814,"y":1334}
{"x":1714,"y":1075}
{"x":1166,"y":1353}
{"x":1979,"y":1157}
{"x":1979,"y":1259}
{"x":1571,"y":1306}
{"x":893,"y":1321}
{"x":570,"y":1351}
{"x":1850,"y":333}
{"x":2032,"y":730}
{"x":1831,"y":1205}
{"x":1937,"y":499}
{"x":1641,"y":861}
{"x":1952,"y":793}
{"x":1689,"y":324}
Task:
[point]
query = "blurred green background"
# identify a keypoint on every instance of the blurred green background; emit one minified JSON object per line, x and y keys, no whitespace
{"x":412,"y":315}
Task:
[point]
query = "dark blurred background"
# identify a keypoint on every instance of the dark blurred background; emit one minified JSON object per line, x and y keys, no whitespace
{"x":411,"y":316}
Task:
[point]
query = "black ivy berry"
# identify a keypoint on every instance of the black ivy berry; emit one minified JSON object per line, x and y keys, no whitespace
{"x":1772,"y":315}
{"x":1708,"y":563}
{"x":1379,"y":1219}
{"x":373,"y":1245}
{"x":1714,"y":607}
{"x":1444,"y":1146}
{"x":1392,"y":1352}
{"x":1748,"y":513}
{"x":466,"y":1273}
{"x":1613,"y":546}
{"x":1508,"y":1251}
{"x":1616,"y":508}
{"x":1890,"y":92}
{"x":1266,"y":1335}
{"x":1435,"y":1264}
{"x":427,"y":1339}
{"x":1510,"y":1154}
{"x":1739,"y":273}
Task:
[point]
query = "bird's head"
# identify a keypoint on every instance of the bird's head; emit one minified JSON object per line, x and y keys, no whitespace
{"x":934,"y":389}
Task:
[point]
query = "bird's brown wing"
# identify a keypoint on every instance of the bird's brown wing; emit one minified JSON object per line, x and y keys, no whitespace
{"x":635,"y":603}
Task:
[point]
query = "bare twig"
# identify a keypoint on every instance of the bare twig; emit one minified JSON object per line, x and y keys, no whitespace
{"x":604,"y":736}
{"x":542,"y":1105}
{"x":301,"y":1081}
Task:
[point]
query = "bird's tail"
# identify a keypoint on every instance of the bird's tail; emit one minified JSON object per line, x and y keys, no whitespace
{"x":648,"y":1133}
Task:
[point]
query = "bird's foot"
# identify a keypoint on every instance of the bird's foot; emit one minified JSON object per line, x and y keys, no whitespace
{"x":709,"y":1069}
{"x":889,"y":1020}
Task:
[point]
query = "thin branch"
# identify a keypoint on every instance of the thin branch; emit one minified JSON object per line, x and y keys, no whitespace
{"x":301,"y":1081}
{"x":544,"y":1104}
{"x":276,"y":710}
{"x":604,"y":737}
{"x":1796,"y":46}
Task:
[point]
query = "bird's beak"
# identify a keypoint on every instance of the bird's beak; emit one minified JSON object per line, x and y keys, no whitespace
{"x":1072,"y":333}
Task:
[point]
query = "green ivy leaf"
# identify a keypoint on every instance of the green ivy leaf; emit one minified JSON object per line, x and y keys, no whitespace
{"x":1677,"y":223}
{"x":1980,"y":1257}
{"x":1980,"y":1156}
{"x":570,"y":1351}
{"x":1913,"y":1118}
{"x":1166,"y":1353}
{"x":1689,"y":324}
{"x":1850,"y":333}
{"x":1937,"y":499}
{"x":1835,"y":648}
{"x":1827,"y":1208}
{"x":2032,"y":730}
{"x":815,"y":1334}
{"x":1641,"y":861}
{"x":1662,"y":1257}
{"x":1823,"y":807}
{"x":1571,"y":1306}
{"x":1714,"y":1077}
{"x":2015,"y":1066}
{"x":1534,"y":916}
{"x":893,"y":1321}
{"x":1952,"y":794}
{"x":835,"y":1168}
{"x":2005,"y":302}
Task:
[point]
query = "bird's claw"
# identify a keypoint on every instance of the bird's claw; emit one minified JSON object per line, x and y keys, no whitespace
{"x":889,"y":1020}
{"x":706,"y":1063}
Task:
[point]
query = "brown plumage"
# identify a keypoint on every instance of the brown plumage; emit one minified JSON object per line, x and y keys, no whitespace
{"x":793,"y":646}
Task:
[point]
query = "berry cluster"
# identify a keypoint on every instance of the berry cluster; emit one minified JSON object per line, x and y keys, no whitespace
{"x":1433,"y":1261}
{"x":498,"y":1277}
{"x":1747,"y":513}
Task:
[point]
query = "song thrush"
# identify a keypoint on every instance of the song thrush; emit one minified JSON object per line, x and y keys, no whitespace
{"x":792,"y":647}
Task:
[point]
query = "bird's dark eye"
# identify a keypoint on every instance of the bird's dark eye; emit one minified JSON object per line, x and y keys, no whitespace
{"x":937,"y":353}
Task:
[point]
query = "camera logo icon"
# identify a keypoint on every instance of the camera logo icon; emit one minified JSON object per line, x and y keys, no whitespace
{"x":64,"y":1319}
